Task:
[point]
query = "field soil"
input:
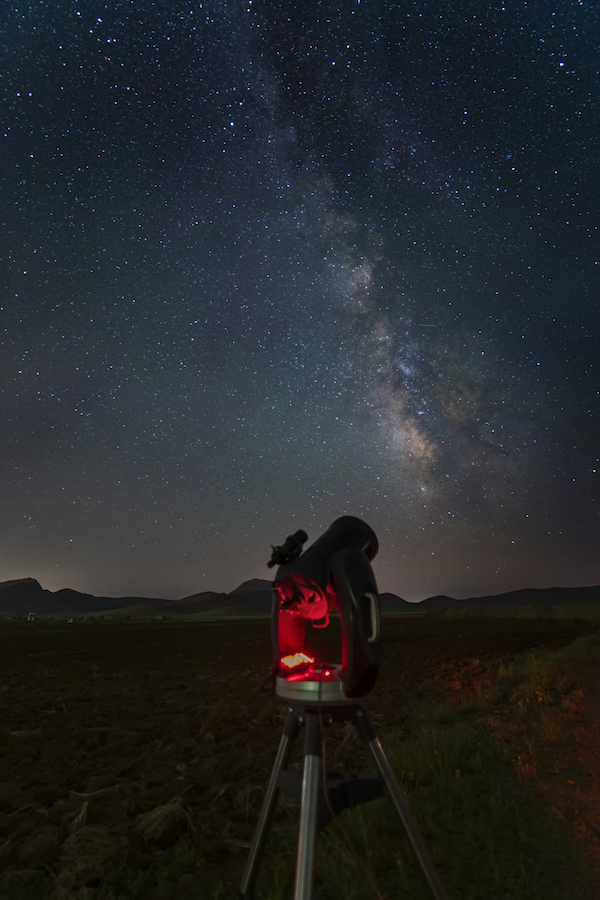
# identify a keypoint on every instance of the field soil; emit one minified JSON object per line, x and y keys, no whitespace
{"x":134,"y":756}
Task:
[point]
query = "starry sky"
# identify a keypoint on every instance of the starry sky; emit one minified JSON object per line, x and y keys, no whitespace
{"x":269,"y":263}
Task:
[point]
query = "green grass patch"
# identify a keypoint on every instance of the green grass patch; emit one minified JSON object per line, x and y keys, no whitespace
{"x":487,"y":831}
{"x":403,"y":614}
{"x":583,"y":649}
{"x":562,"y":611}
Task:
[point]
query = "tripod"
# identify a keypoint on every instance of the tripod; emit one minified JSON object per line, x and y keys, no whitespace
{"x":343,"y":790}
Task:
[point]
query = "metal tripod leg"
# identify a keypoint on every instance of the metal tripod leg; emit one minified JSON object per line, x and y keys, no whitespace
{"x":290,"y":730}
{"x":305,"y":864}
{"x":367,"y":733}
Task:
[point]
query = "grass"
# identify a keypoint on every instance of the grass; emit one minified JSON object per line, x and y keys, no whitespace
{"x":209,"y":617}
{"x":560,"y":611}
{"x":164,"y":820}
{"x":481,"y":823}
{"x":487,"y":830}
{"x":549,"y":726}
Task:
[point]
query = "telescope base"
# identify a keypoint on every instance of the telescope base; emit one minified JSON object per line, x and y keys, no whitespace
{"x":320,"y":684}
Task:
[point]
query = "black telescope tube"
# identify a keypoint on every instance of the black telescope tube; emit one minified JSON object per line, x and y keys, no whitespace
{"x":346,"y":533}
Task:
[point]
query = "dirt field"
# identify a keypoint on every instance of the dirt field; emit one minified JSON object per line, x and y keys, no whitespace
{"x":133,"y":757}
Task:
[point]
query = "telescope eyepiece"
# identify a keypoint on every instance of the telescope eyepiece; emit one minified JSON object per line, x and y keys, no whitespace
{"x":289,"y":551}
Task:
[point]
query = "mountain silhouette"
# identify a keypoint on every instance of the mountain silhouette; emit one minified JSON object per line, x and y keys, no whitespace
{"x":21,"y":597}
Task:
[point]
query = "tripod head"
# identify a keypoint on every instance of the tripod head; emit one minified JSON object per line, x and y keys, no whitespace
{"x":334,"y":573}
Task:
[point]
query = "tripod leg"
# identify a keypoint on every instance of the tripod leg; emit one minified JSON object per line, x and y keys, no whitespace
{"x":305,"y":865}
{"x":290,"y":730}
{"x":367,"y":733}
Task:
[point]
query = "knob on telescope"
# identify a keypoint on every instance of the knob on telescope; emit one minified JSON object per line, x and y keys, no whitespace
{"x":289,"y":551}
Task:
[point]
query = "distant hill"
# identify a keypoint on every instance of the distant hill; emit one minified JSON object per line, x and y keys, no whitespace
{"x":252,"y":598}
{"x":557,"y":596}
{"x":26,"y":595}
{"x":196,"y":603}
{"x":18,"y":598}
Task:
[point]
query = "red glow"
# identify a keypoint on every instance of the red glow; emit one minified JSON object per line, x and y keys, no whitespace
{"x":296,"y":659}
{"x":314,"y":674}
{"x":302,"y":597}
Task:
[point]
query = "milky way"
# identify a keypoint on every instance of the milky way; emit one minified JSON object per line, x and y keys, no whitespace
{"x":271,"y":263}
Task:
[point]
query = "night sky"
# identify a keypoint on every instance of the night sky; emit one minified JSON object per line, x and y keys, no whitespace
{"x":265,"y":264}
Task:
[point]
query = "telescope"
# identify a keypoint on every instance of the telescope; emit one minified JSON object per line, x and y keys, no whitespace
{"x":333,"y":574}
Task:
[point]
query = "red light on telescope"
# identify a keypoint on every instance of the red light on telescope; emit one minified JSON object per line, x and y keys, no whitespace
{"x":296,"y":659}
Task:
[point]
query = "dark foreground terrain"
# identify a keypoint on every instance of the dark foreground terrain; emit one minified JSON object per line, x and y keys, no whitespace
{"x":133,"y":757}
